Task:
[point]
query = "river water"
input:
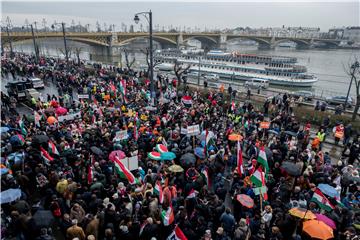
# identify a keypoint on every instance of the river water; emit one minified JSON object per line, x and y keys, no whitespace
{"x":329,"y":65}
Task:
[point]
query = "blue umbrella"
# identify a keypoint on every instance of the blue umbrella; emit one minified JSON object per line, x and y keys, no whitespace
{"x":328,"y":190}
{"x":16,"y":157}
{"x":209,"y":148}
{"x":3,"y":171}
{"x":167,"y":156}
{"x":4,"y":129}
{"x":199,"y":152}
{"x":10,"y":195}
{"x":14,"y":140}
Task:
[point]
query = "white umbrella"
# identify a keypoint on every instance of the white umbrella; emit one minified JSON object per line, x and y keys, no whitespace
{"x":9,"y":195}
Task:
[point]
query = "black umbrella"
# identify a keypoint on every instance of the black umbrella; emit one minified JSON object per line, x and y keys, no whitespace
{"x":97,"y":150}
{"x":39,"y":139}
{"x":188,"y":159}
{"x":43,"y":218}
{"x":294,"y":134}
{"x":291,"y":168}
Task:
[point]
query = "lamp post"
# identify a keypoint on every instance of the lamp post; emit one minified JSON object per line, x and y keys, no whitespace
{"x":353,"y":68}
{"x":149,"y":19}
{"x":64,"y":37}
{"x":10,"y":42}
{"x":36,"y":48}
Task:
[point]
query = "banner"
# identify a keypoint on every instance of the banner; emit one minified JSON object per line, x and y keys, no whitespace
{"x":121,"y":135}
{"x":193,"y":130}
{"x":83,"y":96}
{"x":183,"y":131}
{"x":69,"y":117}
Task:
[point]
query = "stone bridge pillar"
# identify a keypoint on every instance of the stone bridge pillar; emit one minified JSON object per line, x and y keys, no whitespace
{"x":222,"y":41}
{"x":113,"y":50}
{"x":180,"y":40}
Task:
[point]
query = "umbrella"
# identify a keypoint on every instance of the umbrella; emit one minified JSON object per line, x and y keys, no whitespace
{"x":10,"y":195}
{"x":326,"y":220}
{"x":4,"y":129}
{"x":210,"y":134}
{"x":209,"y":148}
{"x":61,"y":111}
{"x":328,"y":190}
{"x":15,"y":140}
{"x":43,"y":218}
{"x":187,"y":159}
{"x":168,"y":156}
{"x":4,"y":171}
{"x":245,"y":200}
{"x":291,"y":168}
{"x":54,"y":103}
{"x":154,"y":155}
{"x":198,"y":151}
{"x":96,"y":150}
{"x":294,"y":134}
{"x":40,"y":139}
{"x":302,"y":213}
{"x":161,"y":148}
{"x":175,"y":168}
{"x":273,"y":132}
{"x":15,"y":158}
{"x":51,"y":120}
{"x":235,"y":137}
{"x":117,"y":153}
{"x":150,"y":108}
{"x":318,"y":229}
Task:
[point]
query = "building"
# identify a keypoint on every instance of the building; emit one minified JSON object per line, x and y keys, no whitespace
{"x":352,"y":34}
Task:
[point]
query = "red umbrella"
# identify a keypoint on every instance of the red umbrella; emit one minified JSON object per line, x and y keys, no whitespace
{"x":61,"y":111}
{"x":326,"y":220}
{"x":117,"y":153}
{"x":245,"y":200}
{"x":54,"y":103}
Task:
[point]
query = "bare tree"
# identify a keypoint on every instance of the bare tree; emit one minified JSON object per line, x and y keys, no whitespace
{"x":98,"y":27}
{"x":354,"y":73}
{"x":77,"y":51}
{"x":147,"y":57}
{"x":129,"y":64}
{"x":179,"y":69}
{"x":62,"y":51}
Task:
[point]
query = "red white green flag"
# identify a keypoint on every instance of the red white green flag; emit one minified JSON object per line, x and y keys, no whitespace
{"x":205,"y":174}
{"x":123,"y":171}
{"x":159,"y":191}
{"x":168,"y":216}
{"x":21,"y":139}
{"x":177,"y":234}
{"x":262,"y":159}
{"x":240,"y":167}
{"x":322,"y":201}
{"x":90,"y":176}
{"x":22,"y":127}
{"x":37,"y":118}
{"x":52,"y":148}
{"x":45,"y":155}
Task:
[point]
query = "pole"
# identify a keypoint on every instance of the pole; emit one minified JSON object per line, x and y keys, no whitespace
{"x":151,"y":61}
{"x":66,"y":51}
{"x":10,"y":42}
{"x":199,"y":71}
{"x":34,"y":42}
{"x":353,"y":67}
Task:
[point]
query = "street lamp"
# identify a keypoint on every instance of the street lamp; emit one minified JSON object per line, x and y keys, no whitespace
{"x":149,"y":19}
{"x":63,"y":30}
{"x":353,"y":68}
{"x":10,"y":42}
{"x":36,"y":48}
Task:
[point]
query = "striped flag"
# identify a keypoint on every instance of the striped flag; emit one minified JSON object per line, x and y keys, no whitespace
{"x":262,"y":159}
{"x":233,"y":105}
{"x":168,"y":216}
{"x":205,"y":174}
{"x":52,"y":148}
{"x":22,"y":127}
{"x":257,"y":177}
{"x":123,"y":171}
{"x":321,"y":200}
{"x":37,"y":118}
{"x":45,"y":155}
{"x":90,"y":176}
{"x":240,"y":167}
{"x":192,"y":194}
{"x":177,"y":234}
{"x":159,"y":191}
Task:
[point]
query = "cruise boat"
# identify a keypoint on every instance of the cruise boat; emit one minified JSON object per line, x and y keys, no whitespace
{"x":278,"y":70}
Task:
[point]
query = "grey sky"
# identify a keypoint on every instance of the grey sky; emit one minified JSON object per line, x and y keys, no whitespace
{"x":210,"y":14}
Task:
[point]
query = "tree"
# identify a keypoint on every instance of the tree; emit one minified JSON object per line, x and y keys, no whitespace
{"x":98,"y":27}
{"x":77,"y":51}
{"x":147,"y":57}
{"x":129,"y":64}
{"x":354,"y":73}
{"x":179,"y":69}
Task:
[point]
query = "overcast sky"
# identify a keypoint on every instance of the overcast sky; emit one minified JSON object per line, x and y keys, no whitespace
{"x":190,"y":14}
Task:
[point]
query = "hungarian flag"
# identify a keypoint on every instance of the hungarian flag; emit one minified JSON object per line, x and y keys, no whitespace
{"x":177,"y":234}
{"x":123,"y":171}
{"x":233,"y":106}
{"x":37,"y":118}
{"x":22,"y":127}
{"x":240,"y":168}
{"x":90,"y":176}
{"x":187,"y":101}
{"x":262,"y":159}
{"x":159,"y":191}
{"x":21,"y":139}
{"x":258,"y":178}
{"x":205,"y":174}
{"x":168,"y":216}
{"x":123,"y":89}
{"x":45,"y":155}
{"x":251,"y":166}
{"x":321,"y":200}
{"x":192,"y":194}
{"x":52,"y":148}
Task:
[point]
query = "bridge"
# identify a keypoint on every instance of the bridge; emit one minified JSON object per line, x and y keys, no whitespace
{"x":116,"y":40}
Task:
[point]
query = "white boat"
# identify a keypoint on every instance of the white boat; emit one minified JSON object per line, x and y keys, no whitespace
{"x":277,"y":70}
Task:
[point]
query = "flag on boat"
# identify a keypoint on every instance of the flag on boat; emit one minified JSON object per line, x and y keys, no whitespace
{"x":177,"y":234}
{"x":168,"y":216}
{"x":52,"y":148}
{"x":262,"y":159}
{"x":319,"y":198}
{"x":187,"y":101}
{"x":46,"y":156}
{"x":123,"y":171}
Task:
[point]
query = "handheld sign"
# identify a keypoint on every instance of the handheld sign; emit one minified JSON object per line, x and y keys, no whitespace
{"x":258,"y":189}
{"x":83,"y":96}
{"x":193,"y":130}
{"x":121,"y":135}
{"x":265,"y":125}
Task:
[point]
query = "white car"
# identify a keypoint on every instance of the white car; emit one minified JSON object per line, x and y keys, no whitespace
{"x":37,"y":83}
{"x":257,"y":83}
{"x":213,"y":77}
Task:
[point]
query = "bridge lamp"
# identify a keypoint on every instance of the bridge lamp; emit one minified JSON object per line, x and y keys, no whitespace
{"x":136,"y":19}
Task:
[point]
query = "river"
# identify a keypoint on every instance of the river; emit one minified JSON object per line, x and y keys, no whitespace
{"x":329,"y":65}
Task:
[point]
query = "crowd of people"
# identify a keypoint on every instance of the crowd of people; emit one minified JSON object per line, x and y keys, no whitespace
{"x":206,"y":166}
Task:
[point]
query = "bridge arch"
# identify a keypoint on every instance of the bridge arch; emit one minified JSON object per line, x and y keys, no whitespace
{"x":328,"y":43}
{"x":255,"y":39}
{"x":161,"y":40}
{"x":299,"y":42}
